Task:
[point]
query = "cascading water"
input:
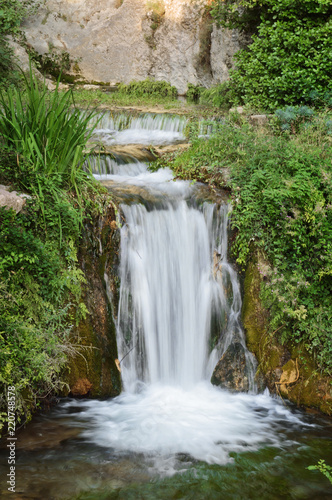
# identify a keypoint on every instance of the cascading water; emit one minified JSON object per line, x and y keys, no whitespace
{"x":176,"y":283}
{"x":169,"y":291}
{"x":146,"y":128}
{"x":179,"y":311}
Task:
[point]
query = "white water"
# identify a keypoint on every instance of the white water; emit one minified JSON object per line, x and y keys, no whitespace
{"x":175,"y":277}
{"x":146,"y":129}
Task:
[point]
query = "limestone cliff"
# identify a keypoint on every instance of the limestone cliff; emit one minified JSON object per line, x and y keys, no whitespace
{"x":123,"y":40}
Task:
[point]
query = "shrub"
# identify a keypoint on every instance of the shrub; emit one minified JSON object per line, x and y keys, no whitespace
{"x":12,"y":13}
{"x":149,"y":87}
{"x":220,"y":96}
{"x":194,"y":92}
{"x":290,"y":53}
{"x":50,"y":137}
{"x":292,"y":117}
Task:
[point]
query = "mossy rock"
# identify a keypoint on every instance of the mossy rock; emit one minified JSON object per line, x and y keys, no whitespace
{"x":92,"y":369}
{"x":288,"y":370}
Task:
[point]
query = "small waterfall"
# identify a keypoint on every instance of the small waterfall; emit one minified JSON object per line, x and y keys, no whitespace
{"x":104,"y":167}
{"x":145,"y":128}
{"x":174,"y":277}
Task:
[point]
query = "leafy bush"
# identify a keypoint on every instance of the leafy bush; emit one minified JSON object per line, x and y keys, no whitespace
{"x":220,"y":96}
{"x":290,"y":53}
{"x":194,"y":92}
{"x":292,"y":117}
{"x":149,"y":87}
{"x":12,"y":13}
{"x":36,"y":282}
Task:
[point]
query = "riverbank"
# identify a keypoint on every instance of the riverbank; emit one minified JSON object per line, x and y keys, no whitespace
{"x":280,"y":183}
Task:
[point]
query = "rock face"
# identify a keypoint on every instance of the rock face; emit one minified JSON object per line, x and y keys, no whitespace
{"x":11,"y":199}
{"x":230,"y":372}
{"x":288,"y":370}
{"x":92,"y":370}
{"x":123,"y":40}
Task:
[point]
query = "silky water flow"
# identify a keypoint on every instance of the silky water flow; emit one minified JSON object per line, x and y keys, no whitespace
{"x":176,"y":282}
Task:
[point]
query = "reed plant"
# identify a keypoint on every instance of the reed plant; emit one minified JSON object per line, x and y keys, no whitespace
{"x":49,"y":135}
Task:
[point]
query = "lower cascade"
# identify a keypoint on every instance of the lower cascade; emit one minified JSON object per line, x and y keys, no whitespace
{"x":179,"y":311}
{"x":174,"y":279}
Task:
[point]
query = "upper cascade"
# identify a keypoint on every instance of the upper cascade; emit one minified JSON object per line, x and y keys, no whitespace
{"x":146,"y":128}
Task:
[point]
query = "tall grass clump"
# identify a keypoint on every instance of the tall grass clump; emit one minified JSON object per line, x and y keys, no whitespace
{"x":49,"y":136}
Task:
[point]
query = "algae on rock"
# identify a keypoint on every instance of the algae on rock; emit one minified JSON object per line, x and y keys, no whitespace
{"x":92,"y":371}
{"x":288,"y":369}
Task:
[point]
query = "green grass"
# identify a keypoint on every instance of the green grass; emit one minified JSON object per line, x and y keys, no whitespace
{"x":98,"y":97}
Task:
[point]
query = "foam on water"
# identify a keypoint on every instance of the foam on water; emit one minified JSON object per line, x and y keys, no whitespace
{"x":146,"y":129}
{"x":135,"y":136}
{"x":204,"y":423}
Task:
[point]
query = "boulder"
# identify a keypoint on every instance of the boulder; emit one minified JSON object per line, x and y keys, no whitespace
{"x":11,"y":199}
{"x":230,"y":372}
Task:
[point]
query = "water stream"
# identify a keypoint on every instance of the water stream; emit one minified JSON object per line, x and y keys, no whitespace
{"x":179,"y":310}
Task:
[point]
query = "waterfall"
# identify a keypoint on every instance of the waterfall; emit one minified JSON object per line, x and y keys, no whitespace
{"x":144,"y":128}
{"x":179,"y":312}
{"x":170,"y":286}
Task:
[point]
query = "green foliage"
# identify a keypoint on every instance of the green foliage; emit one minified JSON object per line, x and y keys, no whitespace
{"x":56,"y":64}
{"x":36,"y":283}
{"x":290,"y":53}
{"x":149,"y":87}
{"x":42,"y":151}
{"x":283,"y":205}
{"x":12,"y":13}
{"x":292,"y":117}
{"x":220,"y":96}
{"x":194,"y":92}
{"x":323,"y":468}
{"x":7,"y":74}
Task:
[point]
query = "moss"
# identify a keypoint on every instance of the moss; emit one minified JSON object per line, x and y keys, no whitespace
{"x":254,"y":316}
{"x":277,"y":362}
{"x":94,"y":361}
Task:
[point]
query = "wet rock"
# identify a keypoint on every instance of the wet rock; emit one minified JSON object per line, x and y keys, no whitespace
{"x":259,"y":119}
{"x":92,"y":370}
{"x":230,"y":372}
